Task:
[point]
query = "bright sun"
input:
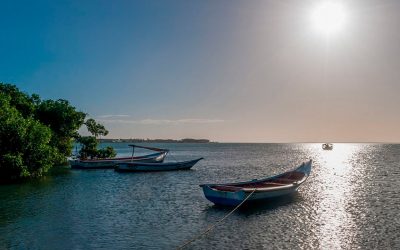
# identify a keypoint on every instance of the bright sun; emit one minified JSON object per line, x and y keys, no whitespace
{"x":328,"y":17}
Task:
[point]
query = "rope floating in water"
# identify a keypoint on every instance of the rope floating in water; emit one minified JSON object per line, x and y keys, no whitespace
{"x":210,"y":228}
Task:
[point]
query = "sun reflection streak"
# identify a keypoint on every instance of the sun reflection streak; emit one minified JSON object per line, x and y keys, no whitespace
{"x":334,"y":180}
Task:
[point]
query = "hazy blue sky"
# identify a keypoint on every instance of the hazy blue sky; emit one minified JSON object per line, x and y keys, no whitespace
{"x":227,"y":70}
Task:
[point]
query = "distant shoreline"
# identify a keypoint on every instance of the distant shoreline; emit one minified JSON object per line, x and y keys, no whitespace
{"x":186,"y":140}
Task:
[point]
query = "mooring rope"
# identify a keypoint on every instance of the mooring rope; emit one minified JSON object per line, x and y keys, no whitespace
{"x":210,"y":228}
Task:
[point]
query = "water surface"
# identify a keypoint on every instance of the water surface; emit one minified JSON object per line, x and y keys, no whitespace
{"x":351,"y":200}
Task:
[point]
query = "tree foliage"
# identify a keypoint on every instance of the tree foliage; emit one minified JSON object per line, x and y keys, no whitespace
{"x":24,"y":144}
{"x":106,"y":152}
{"x":90,"y":143}
{"x":64,"y":121}
{"x":24,"y":103}
{"x":96,"y":129}
{"x":35,"y":134}
{"x":89,"y":148}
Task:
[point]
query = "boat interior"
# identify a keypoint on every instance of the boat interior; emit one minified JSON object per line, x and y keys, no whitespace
{"x":282,"y":180}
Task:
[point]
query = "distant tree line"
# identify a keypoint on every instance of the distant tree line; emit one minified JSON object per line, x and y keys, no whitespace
{"x":37,"y":134}
{"x":137,"y":140}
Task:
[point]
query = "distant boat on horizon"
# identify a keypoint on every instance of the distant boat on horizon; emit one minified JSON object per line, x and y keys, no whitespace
{"x":327,"y":146}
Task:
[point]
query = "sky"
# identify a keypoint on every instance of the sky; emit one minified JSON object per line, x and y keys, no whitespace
{"x":225,"y":70}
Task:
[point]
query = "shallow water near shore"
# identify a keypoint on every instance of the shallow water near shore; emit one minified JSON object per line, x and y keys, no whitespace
{"x":351,"y":200}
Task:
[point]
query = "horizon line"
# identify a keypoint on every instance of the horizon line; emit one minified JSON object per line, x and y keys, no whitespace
{"x":270,"y":142}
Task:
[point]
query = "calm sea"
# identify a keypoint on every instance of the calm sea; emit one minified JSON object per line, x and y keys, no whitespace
{"x":351,"y":200}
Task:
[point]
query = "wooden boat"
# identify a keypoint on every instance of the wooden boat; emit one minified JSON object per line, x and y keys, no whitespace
{"x":110,"y":162}
{"x":146,"y":167}
{"x":232,"y":194}
{"x":327,"y":146}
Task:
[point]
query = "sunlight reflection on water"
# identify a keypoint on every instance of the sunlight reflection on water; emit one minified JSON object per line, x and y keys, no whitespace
{"x":335,"y":187}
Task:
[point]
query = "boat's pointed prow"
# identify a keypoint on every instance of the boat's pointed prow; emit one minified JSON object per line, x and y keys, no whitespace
{"x":305,"y":168}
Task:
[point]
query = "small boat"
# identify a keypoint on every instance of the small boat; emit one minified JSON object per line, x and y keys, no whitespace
{"x":110,"y":162}
{"x":232,"y":194}
{"x":147,"y":167}
{"x":327,"y":146}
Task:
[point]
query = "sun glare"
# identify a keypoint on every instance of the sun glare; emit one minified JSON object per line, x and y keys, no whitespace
{"x":328,"y":17}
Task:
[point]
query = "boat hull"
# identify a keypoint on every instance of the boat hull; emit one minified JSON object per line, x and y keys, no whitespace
{"x":232,"y":194}
{"x":110,"y":163}
{"x":235,"y":198}
{"x":150,"y":167}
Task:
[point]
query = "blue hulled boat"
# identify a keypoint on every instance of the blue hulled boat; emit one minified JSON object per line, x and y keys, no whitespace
{"x":232,"y":194}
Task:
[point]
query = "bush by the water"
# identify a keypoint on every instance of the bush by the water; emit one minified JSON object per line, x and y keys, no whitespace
{"x":89,"y":148}
{"x":37,"y":134}
{"x":24,"y":144}
{"x":90,"y":143}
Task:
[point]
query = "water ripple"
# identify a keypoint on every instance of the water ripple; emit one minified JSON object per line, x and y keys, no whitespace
{"x":350,"y":201}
